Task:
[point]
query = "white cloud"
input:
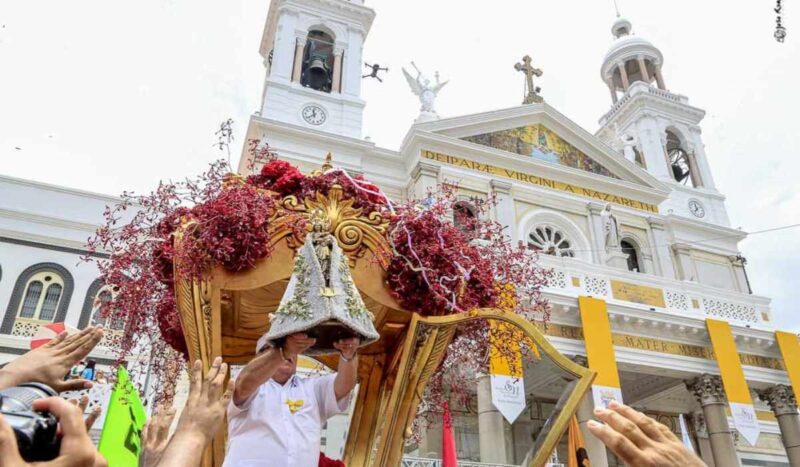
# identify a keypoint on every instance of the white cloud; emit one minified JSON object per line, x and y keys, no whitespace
{"x":107,"y":95}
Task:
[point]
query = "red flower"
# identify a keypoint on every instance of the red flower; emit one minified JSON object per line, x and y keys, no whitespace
{"x":279,"y":176}
{"x":325,"y":461}
{"x":169,"y":324}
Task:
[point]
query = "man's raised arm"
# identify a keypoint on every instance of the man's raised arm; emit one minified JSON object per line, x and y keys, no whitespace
{"x":261,"y":368}
{"x":347,"y":373}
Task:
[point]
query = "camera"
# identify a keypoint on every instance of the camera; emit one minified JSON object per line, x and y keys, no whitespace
{"x":35,"y":431}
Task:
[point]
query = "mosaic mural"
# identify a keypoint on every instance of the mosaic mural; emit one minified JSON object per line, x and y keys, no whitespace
{"x":540,"y":143}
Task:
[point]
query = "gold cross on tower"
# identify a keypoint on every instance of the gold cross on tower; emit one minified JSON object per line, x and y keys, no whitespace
{"x":532,"y":93}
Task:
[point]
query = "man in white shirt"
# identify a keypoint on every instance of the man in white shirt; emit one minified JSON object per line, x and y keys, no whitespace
{"x":275,"y":418}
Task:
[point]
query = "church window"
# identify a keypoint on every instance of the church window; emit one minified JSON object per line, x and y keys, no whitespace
{"x":548,"y":240}
{"x":101,"y":315}
{"x":464,"y":216}
{"x":681,"y":162}
{"x":633,"y":255}
{"x":42,"y":296}
{"x":317,"y":71}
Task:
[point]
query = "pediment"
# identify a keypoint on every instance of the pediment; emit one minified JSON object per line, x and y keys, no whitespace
{"x":541,"y":143}
{"x":540,"y":134}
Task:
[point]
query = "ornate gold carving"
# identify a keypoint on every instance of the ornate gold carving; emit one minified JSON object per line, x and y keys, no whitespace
{"x":354,"y":231}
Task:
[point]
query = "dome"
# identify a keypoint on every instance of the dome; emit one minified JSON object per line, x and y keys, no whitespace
{"x":627,"y":46}
{"x":621,"y":27}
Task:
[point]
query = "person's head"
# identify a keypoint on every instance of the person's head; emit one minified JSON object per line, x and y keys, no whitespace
{"x":285,"y":370}
{"x":90,"y":364}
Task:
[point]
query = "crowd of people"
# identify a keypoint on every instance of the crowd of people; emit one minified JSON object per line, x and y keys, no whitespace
{"x":274,"y":417}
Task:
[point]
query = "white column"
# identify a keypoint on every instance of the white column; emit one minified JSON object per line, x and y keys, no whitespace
{"x":284,"y":47}
{"x":685,"y":263}
{"x":425,"y":178}
{"x":707,"y":389}
{"x":337,"y":68}
{"x":643,"y":69}
{"x":623,"y":75}
{"x":595,"y":448}
{"x":430,"y":442}
{"x":700,"y":157}
{"x":351,"y":70}
{"x":738,"y":263}
{"x":660,"y":247}
{"x":299,"y":51}
{"x":659,"y":78}
{"x":612,"y":89}
{"x":649,"y":134}
{"x":703,"y":444}
{"x":504,"y":212}
{"x":596,"y":234}
{"x":493,"y":429}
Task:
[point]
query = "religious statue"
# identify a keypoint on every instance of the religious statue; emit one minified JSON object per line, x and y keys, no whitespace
{"x":425,"y":90}
{"x":323,"y":243}
{"x":321,"y":298}
{"x":628,"y":143}
{"x":532,"y":92}
{"x":610,"y":228}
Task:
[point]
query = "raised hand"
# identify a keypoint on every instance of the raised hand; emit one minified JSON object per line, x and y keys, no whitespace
{"x":347,"y":347}
{"x":296,"y":344}
{"x":76,"y":447}
{"x":155,"y":436}
{"x":201,"y":416}
{"x":639,"y":440}
{"x":93,"y":415}
{"x":49,"y":363}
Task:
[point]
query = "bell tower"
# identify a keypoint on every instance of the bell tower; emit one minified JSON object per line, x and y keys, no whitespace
{"x":312,"y":54}
{"x":656,"y":128}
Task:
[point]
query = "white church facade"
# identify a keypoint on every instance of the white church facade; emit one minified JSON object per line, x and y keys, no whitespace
{"x":629,"y":215}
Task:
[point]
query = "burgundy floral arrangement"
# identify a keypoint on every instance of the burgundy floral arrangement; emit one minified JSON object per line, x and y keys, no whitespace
{"x":438,"y":266}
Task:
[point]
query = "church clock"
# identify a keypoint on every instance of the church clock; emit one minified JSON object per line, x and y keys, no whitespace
{"x":314,"y":114}
{"x":696,"y":208}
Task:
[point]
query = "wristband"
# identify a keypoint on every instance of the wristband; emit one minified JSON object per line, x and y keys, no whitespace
{"x":341,"y":355}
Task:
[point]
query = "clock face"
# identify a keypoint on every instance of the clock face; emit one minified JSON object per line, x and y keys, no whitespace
{"x":314,"y":114}
{"x":696,"y":208}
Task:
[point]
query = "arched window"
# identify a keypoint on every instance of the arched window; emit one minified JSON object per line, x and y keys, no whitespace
{"x":464,"y":216}
{"x":549,"y":240}
{"x":317,"y":70}
{"x":101,"y":315}
{"x":42,"y":296}
{"x":681,"y":163}
{"x":629,"y":249}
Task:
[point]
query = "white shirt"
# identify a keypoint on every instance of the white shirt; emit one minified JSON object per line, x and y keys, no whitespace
{"x":280,"y":425}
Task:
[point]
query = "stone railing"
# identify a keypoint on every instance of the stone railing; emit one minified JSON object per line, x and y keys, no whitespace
{"x":425,"y":462}
{"x":641,"y":88}
{"x":682,"y":297}
{"x":27,"y":327}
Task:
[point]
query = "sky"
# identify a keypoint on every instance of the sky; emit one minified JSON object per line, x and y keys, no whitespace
{"x":106,"y":95}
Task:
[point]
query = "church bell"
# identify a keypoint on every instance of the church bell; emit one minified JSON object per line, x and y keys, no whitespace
{"x":317,"y":73}
{"x":321,"y":299}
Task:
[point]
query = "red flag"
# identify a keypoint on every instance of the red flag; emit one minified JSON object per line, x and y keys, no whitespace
{"x":449,"y":457}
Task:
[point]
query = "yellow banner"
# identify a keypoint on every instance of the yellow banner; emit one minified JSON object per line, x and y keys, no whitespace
{"x":637,"y":293}
{"x":597,"y":335}
{"x":790,"y":351}
{"x":505,"y":355}
{"x":536,"y":180}
{"x":730,"y":367}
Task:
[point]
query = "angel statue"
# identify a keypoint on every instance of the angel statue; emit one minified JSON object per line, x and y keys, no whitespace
{"x":422,"y":87}
{"x":628,"y":143}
